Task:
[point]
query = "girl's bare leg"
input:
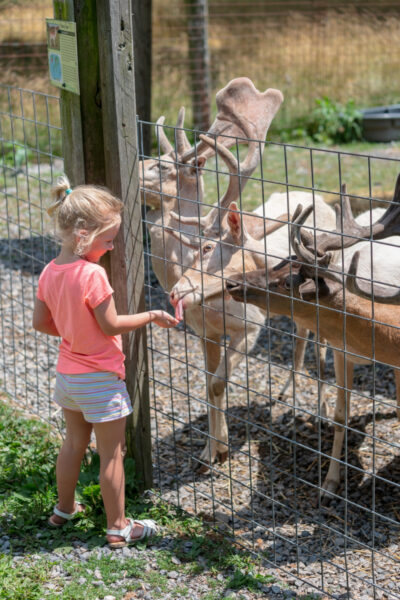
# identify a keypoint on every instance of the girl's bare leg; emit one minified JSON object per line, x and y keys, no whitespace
{"x":69,"y":461}
{"x":110,"y":438}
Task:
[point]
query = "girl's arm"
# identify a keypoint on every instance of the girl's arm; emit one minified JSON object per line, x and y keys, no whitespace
{"x":113,"y":324}
{"x":42,"y":319}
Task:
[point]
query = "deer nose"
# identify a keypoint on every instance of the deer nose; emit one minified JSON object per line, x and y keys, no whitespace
{"x":172,"y":298}
{"x":231,"y":285}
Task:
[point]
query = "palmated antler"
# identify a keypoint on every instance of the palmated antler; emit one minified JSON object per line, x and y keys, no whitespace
{"x":243,"y":113}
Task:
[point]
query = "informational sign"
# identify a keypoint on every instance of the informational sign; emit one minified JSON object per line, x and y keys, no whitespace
{"x":63,"y":54}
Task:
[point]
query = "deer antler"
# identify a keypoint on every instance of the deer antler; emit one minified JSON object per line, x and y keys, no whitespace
{"x":348,"y":232}
{"x":243,"y":112}
{"x":182,"y":143}
{"x":162,"y":139}
{"x":184,"y":238}
{"x":231,"y":193}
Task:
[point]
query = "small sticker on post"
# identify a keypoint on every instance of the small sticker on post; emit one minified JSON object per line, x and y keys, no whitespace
{"x":63,"y":54}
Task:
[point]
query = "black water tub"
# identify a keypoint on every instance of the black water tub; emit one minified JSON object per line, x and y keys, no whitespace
{"x":382,"y":124}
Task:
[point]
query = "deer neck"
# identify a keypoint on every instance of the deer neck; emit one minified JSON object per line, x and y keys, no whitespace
{"x":187,"y":203}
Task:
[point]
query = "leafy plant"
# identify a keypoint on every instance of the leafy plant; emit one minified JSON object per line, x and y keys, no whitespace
{"x":329,"y":123}
{"x":332,"y":122}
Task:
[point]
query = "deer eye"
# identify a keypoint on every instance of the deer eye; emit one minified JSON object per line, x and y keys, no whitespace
{"x":207,"y":248}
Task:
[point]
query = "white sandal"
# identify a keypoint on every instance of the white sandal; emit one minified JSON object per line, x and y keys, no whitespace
{"x":63,"y":515}
{"x":150,"y":528}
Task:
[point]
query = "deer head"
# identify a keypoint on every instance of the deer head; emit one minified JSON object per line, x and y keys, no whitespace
{"x":311,"y":273}
{"x":250,"y":113}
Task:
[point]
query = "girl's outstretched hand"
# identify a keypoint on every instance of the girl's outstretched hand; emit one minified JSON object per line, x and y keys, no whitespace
{"x":163,"y":319}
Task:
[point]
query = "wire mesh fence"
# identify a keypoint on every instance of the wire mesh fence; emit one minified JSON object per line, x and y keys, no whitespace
{"x":30,"y":159}
{"x":243,"y":431}
{"x":342,"y":50}
{"x":231,"y":443}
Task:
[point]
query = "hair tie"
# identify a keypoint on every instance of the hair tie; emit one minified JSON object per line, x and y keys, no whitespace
{"x":68,"y":191}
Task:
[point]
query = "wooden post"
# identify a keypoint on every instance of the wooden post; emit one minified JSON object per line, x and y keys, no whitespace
{"x":122,"y":177}
{"x":199,"y":62}
{"x":100,"y":146}
{"x":141,"y":19}
{"x":81,"y":116}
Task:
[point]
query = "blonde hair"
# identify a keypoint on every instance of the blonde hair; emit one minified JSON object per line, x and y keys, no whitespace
{"x":91,"y":208}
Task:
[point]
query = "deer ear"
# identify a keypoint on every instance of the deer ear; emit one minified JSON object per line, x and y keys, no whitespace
{"x":234,"y":221}
{"x":197,"y":165}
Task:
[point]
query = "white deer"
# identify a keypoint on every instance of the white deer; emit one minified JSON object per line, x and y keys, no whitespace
{"x":174,"y":183}
{"x":201,"y":288}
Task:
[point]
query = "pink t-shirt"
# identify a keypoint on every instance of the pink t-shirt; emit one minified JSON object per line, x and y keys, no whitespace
{"x":71,"y":292}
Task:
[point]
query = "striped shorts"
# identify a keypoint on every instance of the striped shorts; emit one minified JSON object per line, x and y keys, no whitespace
{"x":100,"y":396}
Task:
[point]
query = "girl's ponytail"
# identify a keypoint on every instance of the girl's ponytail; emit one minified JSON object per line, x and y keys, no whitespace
{"x":59,"y":192}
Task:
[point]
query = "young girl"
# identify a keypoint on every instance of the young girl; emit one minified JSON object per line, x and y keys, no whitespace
{"x":75,"y":302}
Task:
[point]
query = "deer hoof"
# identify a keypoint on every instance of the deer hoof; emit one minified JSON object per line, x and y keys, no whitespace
{"x":203,"y":468}
{"x":222,"y":456}
{"x":324,"y":410}
{"x":328,"y":491}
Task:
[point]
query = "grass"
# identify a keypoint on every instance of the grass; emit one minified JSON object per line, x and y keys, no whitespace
{"x":341,"y":55}
{"x":28,"y":451}
{"x":369,"y":171}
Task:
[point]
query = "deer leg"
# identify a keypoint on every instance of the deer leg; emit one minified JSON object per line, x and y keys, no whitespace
{"x":240,"y":344}
{"x":397,"y":380}
{"x":320,"y":352}
{"x":216,"y":419}
{"x":298,"y":361}
{"x":344,"y":380}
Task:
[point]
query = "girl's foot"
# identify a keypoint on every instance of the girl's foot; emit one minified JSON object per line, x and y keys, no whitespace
{"x":59,"y":518}
{"x":134,"y":531}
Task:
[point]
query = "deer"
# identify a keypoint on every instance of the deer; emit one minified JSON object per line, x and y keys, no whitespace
{"x":312,"y":288}
{"x":173,"y":184}
{"x":218,"y":253}
{"x":174,"y":180}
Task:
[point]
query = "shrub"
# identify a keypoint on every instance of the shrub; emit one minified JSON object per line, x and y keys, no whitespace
{"x":331,"y":122}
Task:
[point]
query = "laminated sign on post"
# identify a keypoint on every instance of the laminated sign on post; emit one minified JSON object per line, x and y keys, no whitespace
{"x":63,"y":54}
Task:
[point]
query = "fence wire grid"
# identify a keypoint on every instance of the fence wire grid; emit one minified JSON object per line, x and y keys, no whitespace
{"x":30,"y":160}
{"x":232,"y":446}
{"x":231,"y":442}
{"x":341,"y":50}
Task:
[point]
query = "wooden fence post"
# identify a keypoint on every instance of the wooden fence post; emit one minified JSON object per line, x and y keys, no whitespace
{"x":100,"y":146}
{"x":142,"y":36}
{"x":81,"y":116}
{"x":199,"y":62}
{"x":122,"y":176}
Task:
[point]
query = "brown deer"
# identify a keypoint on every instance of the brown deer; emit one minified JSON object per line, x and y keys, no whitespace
{"x":311,"y":288}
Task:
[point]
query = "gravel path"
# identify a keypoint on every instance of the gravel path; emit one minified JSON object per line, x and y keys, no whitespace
{"x":265,"y":495}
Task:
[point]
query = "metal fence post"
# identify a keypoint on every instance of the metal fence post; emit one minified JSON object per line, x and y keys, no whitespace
{"x":100,"y":146}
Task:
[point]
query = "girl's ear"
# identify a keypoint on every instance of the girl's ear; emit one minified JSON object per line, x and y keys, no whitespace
{"x":82,"y":233}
